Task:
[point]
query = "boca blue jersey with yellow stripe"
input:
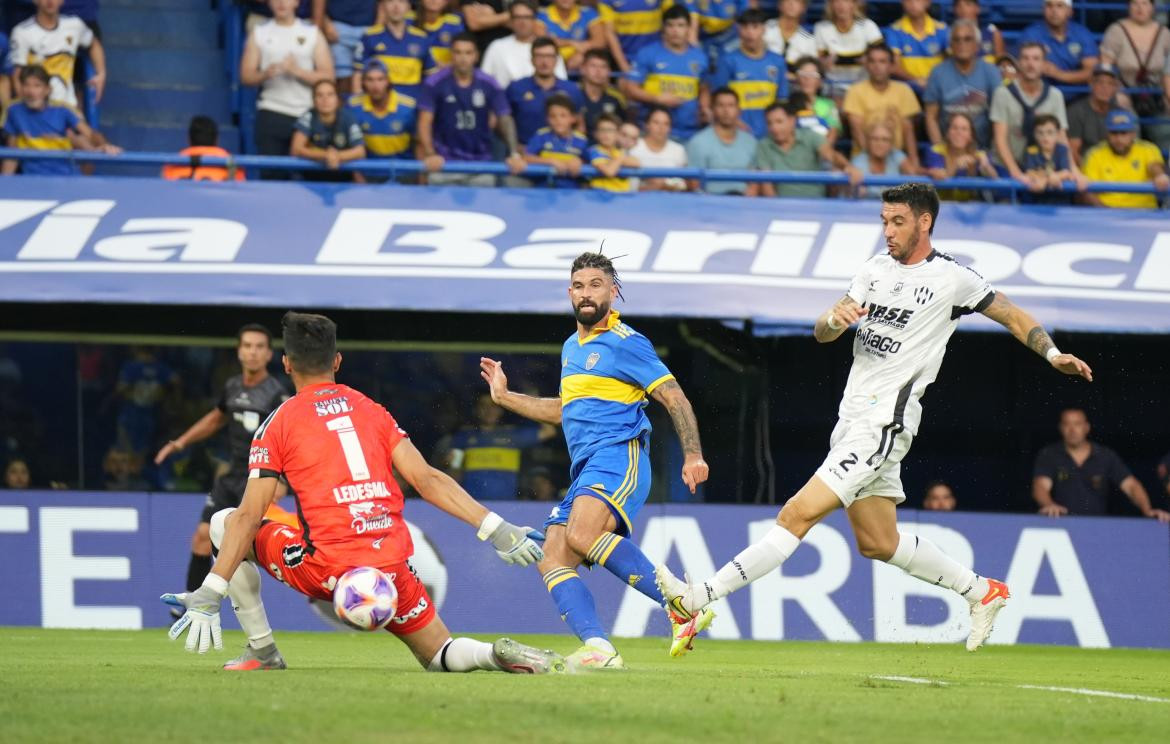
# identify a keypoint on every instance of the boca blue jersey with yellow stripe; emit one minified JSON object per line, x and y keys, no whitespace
{"x":716,"y":22}
{"x":759,"y":82}
{"x":408,"y":59}
{"x":637,"y":23}
{"x":663,"y":71}
{"x":387,"y":133}
{"x":919,"y":53}
{"x":606,"y":379}
{"x":440,"y":33}
{"x":41,"y":129}
{"x":574,"y":28}
{"x":549,"y":145}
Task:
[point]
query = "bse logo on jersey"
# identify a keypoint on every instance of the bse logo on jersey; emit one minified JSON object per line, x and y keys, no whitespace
{"x":369,"y":516}
{"x":895,"y":317}
{"x":258,"y":456}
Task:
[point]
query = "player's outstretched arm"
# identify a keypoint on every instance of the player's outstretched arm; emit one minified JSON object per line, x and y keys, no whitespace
{"x":1030,"y":333}
{"x":544,"y":410}
{"x":839,"y":317}
{"x":670,"y":394}
{"x":211,"y":422}
{"x":440,"y":490}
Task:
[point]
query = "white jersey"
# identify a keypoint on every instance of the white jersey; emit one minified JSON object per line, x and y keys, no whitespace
{"x":55,"y":49}
{"x":285,"y":94}
{"x":900,"y":343}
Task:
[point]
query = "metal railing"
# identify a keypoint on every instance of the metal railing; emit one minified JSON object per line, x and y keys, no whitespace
{"x":543,"y":174}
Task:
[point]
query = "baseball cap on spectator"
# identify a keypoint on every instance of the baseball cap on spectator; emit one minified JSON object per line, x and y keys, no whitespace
{"x":1120,"y":120}
{"x":377,"y":64}
{"x":1106,"y":69}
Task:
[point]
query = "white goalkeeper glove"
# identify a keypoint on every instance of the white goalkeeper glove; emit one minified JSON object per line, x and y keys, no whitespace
{"x":202,"y":615}
{"x":513,"y":544}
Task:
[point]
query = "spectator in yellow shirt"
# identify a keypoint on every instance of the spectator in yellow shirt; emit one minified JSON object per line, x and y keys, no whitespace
{"x":1123,"y":158}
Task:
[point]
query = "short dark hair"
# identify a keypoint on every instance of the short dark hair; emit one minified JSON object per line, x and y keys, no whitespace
{"x":879,"y":46}
{"x":559,"y":99}
{"x":606,"y":116}
{"x":750,"y":16}
{"x":599,"y":54}
{"x":589,"y":260}
{"x":202,"y":132}
{"x":798,"y":99}
{"x":540,"y":42}
{"x":530,"y":4}
{"x":34,"y":71}
{"x":724,"y":91}
{"x":935,"y":484}
{"x":310,"y":342}
{"x":920,"y":197}
{"x":253,"y":328}
{"x":327,"y":81}
{"x":807,"y":61}
{"x":1031,"y":44}
{"x":1042,"y":119}
{"x":659,"y":110}
{"x":675,"y":12}
{"x":464,"y":36}
{"x":788,"y":107}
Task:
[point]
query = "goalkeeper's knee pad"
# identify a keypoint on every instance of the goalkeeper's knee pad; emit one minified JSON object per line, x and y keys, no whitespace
{"x":218,"y":525}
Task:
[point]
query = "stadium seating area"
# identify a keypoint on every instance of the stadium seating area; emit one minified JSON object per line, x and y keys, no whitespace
{"x":172,"y":60}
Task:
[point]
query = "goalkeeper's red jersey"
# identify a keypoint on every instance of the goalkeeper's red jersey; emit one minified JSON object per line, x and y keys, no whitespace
{"x":333,"y":445}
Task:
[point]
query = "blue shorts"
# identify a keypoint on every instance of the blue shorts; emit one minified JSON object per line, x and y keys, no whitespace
{"x":619,"y":475}
{"x":349,"y":40}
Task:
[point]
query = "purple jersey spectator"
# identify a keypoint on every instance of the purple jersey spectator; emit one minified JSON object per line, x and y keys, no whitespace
{"x":462,"y":128}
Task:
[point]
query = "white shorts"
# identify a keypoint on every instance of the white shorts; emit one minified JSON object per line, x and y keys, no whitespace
{"x":865,"y":459}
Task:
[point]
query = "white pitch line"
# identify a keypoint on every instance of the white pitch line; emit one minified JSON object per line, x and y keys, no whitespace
{"x":909,"y":680}
{"x":1097,"y":693}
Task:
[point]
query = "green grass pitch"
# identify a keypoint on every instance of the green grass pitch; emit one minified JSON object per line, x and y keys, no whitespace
{"x":105,"y":686}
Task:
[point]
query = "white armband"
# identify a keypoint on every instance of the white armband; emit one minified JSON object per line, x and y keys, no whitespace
{"x":489,"y":525}
{"x":830,"y":321}
{"x":1052,"y":354}
{"x":216,"y":583}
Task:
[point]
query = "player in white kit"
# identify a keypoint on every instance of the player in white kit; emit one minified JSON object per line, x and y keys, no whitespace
{"x":907,"y":303}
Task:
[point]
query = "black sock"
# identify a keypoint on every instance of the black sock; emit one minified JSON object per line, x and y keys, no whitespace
{"x":197,"y":571}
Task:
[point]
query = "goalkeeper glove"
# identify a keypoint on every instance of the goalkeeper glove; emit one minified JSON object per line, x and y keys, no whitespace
{"x":201,"y":616}
{"x":513,"y":544}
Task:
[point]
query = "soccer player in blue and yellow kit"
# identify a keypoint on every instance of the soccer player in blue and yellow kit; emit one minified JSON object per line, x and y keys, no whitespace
{"x":670,"y":74}
{"x":608,"y":371}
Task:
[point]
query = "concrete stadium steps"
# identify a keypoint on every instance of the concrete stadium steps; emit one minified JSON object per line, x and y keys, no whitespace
{"x":159,"y":28}
{"x":164,"y":103}
{"x":205,"y":5}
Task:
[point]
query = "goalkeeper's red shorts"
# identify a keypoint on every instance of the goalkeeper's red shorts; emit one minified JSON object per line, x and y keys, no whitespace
{"x":280,"y":550}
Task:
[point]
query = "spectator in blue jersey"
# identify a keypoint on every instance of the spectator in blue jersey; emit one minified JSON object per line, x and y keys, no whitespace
{"x":558,"y":145}
{"x":344,"y":22}
{"x":632,"y":26}
{"x":1070,"y":49}
{"x":918,"y":41}
{"x":36,"y":124}
{"x":485,"y":457}
{"x":144,"y":384}
{"x":608,"y":157}
{"x":526,"y":96}
{"x":715,"y":20}
{"x":456,"y":110}
{"x":963,"y":84}
{"x":402,"y":48}
{"x":387,"y":119}
{"x":724,"y":145}
{"x":327,"y":134}
{"x":577,"y":30}
{"x":758,"y":76}
{"x":440,"y":26}
{"x":1048,"y":163}
{"x":598,"y":96}
{"x":670,"y":73}
{"x":958,"y":155}
{"x":991,"y":46}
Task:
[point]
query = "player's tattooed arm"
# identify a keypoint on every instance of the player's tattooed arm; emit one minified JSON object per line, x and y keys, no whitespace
{"x":1030,"y":333}
{"x":839,"y":317}
{"x":670,"y":394}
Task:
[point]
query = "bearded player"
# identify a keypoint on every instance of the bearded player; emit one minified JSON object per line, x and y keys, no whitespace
{"x":608,"y":372}
{"x":340,"y":451}
{"x":907,"y":303}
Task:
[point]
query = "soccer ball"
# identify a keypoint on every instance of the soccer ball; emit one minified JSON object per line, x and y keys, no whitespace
{"x":365,"y":598}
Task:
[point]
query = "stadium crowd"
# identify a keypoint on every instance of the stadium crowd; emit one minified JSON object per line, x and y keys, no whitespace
{"x":714,"y":84}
